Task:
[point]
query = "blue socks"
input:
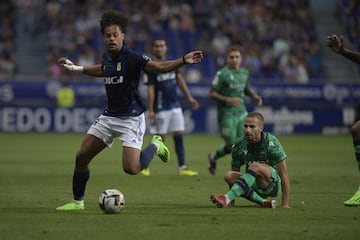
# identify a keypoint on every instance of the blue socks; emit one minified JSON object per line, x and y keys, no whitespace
{"x":80,"y":179}
{"x":147,"y":155}
{"x":179,"y":148}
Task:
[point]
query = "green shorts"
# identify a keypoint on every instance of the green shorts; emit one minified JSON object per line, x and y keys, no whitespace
{"x":232,"y":127}
{"x":274,"y":189}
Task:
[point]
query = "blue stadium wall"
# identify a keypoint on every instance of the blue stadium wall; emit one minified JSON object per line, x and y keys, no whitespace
{"x":31,"y":106}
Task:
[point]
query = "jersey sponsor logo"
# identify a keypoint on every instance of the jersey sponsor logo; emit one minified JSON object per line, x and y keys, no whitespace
{"x":114,"y":80}
{"x":236,"y":85}
{"x":165,"y":76}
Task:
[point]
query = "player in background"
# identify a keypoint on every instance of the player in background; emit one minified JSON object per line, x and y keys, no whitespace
{"x":336,"y":44}
{"x":164,"y":111}
{"x":123,"y":117}
{"x":266,"y":172}
{"x":229,"y":88}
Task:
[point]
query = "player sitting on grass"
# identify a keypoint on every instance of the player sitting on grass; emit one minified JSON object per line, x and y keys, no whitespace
{"x":266,"y":172}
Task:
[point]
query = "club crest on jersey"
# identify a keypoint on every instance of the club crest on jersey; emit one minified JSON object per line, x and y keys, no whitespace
{"x":118,"y":66}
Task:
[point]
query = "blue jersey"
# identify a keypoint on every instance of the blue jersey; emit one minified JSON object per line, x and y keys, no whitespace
{"x":121,"y":79}
{"x":165,"y":90}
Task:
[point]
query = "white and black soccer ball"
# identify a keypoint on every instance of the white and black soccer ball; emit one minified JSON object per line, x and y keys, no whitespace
{"x":111,"y":201}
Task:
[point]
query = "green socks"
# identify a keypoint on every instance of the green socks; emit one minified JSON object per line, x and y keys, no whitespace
{"x":220,"y":152}
{"x":242,"y":187}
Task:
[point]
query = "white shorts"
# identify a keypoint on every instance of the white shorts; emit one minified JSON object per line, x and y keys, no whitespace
{"x":168,"y":121}
{"x":129,"y":130}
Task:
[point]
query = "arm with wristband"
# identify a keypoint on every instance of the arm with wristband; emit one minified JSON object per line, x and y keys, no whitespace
{"x":94,"y":70}
{"x":167,"y":66}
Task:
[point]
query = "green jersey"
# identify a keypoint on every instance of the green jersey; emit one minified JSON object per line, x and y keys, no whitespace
{"x":268,"y":150}
{"x":230,"y":83}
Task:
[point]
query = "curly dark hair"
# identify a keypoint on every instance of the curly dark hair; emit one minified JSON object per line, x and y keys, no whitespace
{"x":113,"y":17}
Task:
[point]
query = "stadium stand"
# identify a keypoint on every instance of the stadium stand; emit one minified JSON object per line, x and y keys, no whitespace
{"x":7,"y":36}
{"x":273,"y":34}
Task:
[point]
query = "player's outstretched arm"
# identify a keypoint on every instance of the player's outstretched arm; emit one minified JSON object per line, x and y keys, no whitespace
{"x":336,"y":44}
{"x":94,"y":70}
{"x":193,"y":57}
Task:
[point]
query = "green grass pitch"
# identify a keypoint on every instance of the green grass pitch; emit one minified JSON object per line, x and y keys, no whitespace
{"x":36,"y":172}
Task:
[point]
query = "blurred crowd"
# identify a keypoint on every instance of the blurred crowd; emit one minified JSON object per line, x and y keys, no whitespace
{"x":7,"y":36}
{"x":277,"y":37}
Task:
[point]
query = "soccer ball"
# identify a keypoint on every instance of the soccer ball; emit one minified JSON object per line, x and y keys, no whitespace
{"x":111,"y":201}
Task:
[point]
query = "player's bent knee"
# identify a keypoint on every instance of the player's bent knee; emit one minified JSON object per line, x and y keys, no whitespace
{"x":231,"y":177}
{"x":254,"y":166}
{"x":228,"y":179}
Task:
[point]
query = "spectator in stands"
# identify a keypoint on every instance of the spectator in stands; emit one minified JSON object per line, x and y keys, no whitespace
{"x":314,"y":61}
{"x":268,"y":62}
{"x":336,"y":44}
{"x":220,"y":42}
{"x":7,"y":36}
{"x":27,"y":12}
{"x":294,"y":71}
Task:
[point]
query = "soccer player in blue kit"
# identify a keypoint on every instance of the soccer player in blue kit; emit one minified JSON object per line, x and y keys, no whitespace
{"x":123,"y":117}
{"x":164,"y":111}
{"x":336,"y":44}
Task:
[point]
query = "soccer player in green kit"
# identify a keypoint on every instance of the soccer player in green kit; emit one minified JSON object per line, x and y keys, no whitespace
{"x":229,"y":88}
{"x":266,"y":172}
